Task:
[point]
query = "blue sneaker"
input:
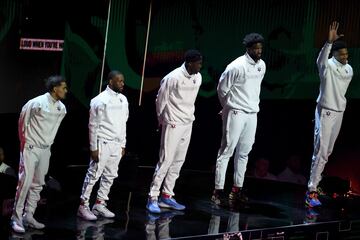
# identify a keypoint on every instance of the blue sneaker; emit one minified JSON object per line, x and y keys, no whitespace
{"x":152,"y":206}
{"x":312,"y":212}
{"x":170,"y":203}
{"x":152,"y":218}
{"x":312,"y":199}
{"x":311,"y":215}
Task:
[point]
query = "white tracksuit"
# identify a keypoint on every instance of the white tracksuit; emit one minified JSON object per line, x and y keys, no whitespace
{"x":233,"y":224}
{"x":109,"y":113}
{"x":163,"y":229}
{"x":238,"y":90}
{"x":174,"y":106}
{"x":331,"y":103}
{"x":39,"y":121}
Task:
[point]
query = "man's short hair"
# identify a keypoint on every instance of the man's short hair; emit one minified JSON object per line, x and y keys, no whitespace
{"x":252,"y":38}
{"x":113,"y":73}
{"x":54,"y":81}
{"x":338,"y":44}
{"x":192,"y":55}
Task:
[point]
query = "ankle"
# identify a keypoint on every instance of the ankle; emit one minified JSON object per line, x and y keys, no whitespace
{"x":218,"y":191}
{"x":82,"y":202}
{"x":153,"y":198}
{"x":165,"y":195}
{"x":236,"y":189}
{"x":29,"y":215}
{"x":100,"y":201}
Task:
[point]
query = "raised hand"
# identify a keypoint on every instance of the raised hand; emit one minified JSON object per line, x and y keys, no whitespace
{"x":333,"y":35}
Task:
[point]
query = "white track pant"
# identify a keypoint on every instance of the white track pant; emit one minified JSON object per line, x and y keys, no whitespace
{"x":239,"y":130}
{"x":232,"y":226}
{"x":163,"y":230}
{"x":173,"y":149}
{"x":327,"y":128}
{"x":106,"y":168}
{"x":33,"y":166}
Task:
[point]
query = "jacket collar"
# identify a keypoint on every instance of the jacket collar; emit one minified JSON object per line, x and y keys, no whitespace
{"x":337,"y":63}
{"x":250,"y":60}
{"x":185,"y":72}
{"x":111,"y":92}
{"x":50,"y":98}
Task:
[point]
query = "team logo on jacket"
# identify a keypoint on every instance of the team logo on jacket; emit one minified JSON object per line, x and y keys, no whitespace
{"x":58,"y":108}
{"x":194,"y":81}
{"x":259,"y":69}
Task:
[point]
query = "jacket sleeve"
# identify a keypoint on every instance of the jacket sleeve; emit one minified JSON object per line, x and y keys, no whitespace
{"x":226,"y":82}
{"x":96,"y":112}
{"x":162,"y":97}
{"x":123,"y":142}
{"x":61,"y":117}
{"x":322,"y":60}
{"x":27,"y":111}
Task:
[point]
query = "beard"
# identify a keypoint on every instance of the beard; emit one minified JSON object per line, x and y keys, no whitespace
{"x":117,"y":90}
{"x":255,"y":57}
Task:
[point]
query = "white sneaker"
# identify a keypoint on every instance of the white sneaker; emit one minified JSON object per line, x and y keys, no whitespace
{"x":29,"y":221}
{"x":17,"y":227}
{"x":85,"y":213}
{"x":101,"y":210}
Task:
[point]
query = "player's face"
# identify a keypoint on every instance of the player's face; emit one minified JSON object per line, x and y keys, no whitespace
{"x":195,"y":67}
{"x":255,"y":51}
{"x":61,"y":91}
{"x":117,"y":83}
{"x":342,"y":55}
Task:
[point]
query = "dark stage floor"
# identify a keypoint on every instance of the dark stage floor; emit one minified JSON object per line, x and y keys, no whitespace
{"x":275,"y":211}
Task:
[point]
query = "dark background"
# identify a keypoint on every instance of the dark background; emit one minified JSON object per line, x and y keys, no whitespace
{"x":289,"y":90}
